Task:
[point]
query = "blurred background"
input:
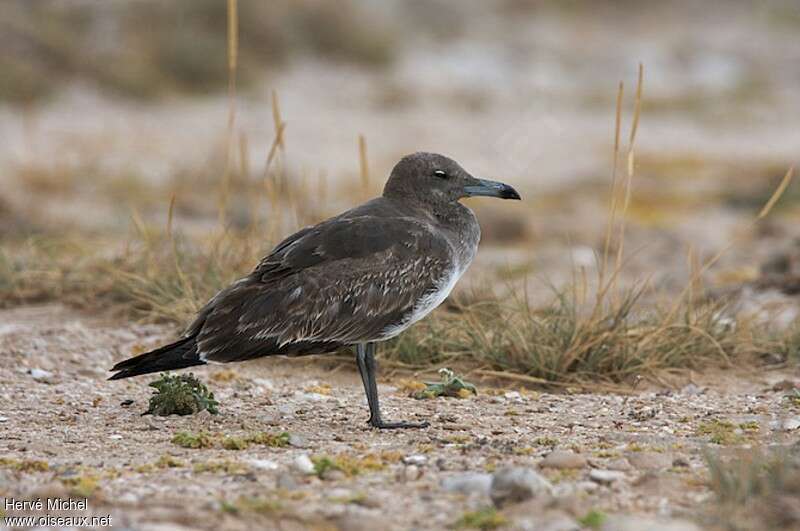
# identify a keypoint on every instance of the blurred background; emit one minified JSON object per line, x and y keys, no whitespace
{"x":108,"y":110}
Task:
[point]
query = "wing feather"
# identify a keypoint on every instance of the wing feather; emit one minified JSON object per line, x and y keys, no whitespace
{"x":342,"y":282}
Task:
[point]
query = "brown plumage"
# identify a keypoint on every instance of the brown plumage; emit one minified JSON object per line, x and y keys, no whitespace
{"x":357,"y":278}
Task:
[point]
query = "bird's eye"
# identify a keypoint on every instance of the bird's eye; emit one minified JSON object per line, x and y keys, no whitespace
{"x":441,"y":174}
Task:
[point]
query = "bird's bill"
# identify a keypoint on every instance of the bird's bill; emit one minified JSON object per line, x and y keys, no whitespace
{"x":489,"y":188}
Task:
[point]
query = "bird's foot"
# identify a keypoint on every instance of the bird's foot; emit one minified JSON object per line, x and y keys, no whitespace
{"x":382,"y":425}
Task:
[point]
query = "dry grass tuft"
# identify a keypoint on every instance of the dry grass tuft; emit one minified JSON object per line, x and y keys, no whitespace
{"x":755,"y":490}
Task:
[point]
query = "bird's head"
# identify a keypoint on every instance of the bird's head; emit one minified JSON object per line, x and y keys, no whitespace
{"x":434,"y":178}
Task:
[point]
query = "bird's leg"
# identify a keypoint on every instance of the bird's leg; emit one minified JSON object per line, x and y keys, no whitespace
{"x":365,"y":358}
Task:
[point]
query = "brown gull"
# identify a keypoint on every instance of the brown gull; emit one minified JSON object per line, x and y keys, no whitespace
{"x":358,"y":278}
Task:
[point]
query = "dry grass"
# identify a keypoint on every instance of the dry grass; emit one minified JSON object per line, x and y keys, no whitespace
{"x":167,"y":47}
{"x":593,"y":330}
{"x":755,"y":490}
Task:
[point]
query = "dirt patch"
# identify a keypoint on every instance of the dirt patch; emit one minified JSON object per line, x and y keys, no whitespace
{"x":68,"y":431}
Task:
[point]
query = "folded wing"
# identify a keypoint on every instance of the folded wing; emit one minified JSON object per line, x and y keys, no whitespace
{"x":342,"y":282}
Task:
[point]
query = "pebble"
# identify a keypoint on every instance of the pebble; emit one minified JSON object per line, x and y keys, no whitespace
{"x":297,"y":441}
{"x":549,"y":521}
{"x":606,"y":477}
{"x":621,"y":464}
{"x":640,"y":523}
{"x":785,"y":385}
{"x":692,"y":390}
{"x":680,"y":462}
{"x":650,"y":460}
{"x":3,"y":419}
{"x":151,"y":423}
{"x":791,"y":424}
{"x":40,"y":375}
{"x":511,"y":485}
{"x":264,"y":384}
{"x":468,"y":483}
{"x":310,"y":397}
{"x":263,"y":464}
{"x":411,"y":473}
{"x":302,"y":463}
{"x":563,"y":459}
{"x":129,"y":498}
{"x":287,"y":410}
{"x":286,"y":482}
{"x":115,"y":437}
{"x":333,"y":474}
{"x":416,"y":459}
{"x":340,"y":493}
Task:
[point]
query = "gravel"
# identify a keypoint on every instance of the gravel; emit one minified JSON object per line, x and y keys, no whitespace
{"x":473,"y":455}
{"x":514,"y":485}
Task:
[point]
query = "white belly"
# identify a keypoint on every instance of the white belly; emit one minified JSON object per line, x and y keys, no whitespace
{"x":426,"y":304}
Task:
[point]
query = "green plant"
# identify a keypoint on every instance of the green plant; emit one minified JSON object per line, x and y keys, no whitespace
{"x":450,"y":385}
{"x":483,"y":519}
{"x":180,"y":395}
{"x":193,"y":440}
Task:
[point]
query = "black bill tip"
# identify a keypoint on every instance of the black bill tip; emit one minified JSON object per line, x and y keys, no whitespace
{"x":487,"y":188}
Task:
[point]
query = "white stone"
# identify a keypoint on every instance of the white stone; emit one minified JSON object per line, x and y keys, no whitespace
{"x":40,"y":375}
{"x":468,"y":483}
{"x":415,"y":459}
{"x":264,"y":464}
{"x":791,"y":424}
{"x":606,"y":476}
{"x":302,"y":463}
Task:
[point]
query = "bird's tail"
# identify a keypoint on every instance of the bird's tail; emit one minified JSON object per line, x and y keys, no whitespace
{"x":182,"y":353}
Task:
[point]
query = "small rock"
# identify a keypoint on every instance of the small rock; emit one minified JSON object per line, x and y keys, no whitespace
{"x":621,"y":464}
{"x":41,"y":375}
{"x":263,"y":384}
{"x":511,"y":485}
{"x":353,"y":521}
{"x":287,"y":410}
{"x":785,"y":385}
{"x":271,"y":419}
{"x":639,"y":523}
{"x":333,"y":474}
{"x":411,"y":473}
{"x":649,"y":460}
{"x":606,"y":477}
{"x":416,"y":459}
{"x":127,"y":402}
{"x":115,"y":437}
{"x":3,"y":419}
{"x":286,"y":482}
{"x":128,"y":498}
{"x":263,"y":464}
{"x":310,"y":397}
{"x":297,"y":441}
{"x":302,"y":463}
{"x":791,"y":424}
{"x":548,"y":520}
{"x":468,"y":483}
{"x":563,"y":459}
{"x":340,"y":493}
{"x":53,"y":489}
{"x":692,"y":390}
{"x":680,"y":462}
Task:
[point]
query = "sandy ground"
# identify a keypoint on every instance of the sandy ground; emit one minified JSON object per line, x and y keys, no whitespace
{"x":637,"y":453}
